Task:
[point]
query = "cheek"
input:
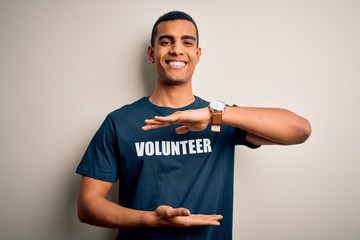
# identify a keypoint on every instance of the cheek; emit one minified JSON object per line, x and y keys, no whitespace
{"x":196,"y":58}
{"x":160,"y":68}
{"x":159,"y":61}
{"x":195,"y":61}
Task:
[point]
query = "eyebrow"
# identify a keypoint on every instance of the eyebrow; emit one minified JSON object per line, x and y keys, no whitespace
{"x":172,"y":37}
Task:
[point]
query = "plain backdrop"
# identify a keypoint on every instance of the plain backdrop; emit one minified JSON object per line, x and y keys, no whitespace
{"x":66,"y":64}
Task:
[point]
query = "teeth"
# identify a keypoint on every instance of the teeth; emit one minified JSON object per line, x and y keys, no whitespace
{"x":176,"y":64}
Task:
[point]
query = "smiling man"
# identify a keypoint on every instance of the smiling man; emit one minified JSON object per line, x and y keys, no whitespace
{"x":175,"y":52}
{"x":173,"y":152}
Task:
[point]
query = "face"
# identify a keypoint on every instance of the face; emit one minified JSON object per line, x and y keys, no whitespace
{"x":175,"y":52}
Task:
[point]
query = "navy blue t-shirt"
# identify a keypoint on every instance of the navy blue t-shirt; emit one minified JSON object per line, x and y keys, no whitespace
{"x":160,"y":167}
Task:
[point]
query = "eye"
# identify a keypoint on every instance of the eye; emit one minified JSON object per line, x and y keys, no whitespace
{"x":165,"y":42}
{"x":188,"y":43}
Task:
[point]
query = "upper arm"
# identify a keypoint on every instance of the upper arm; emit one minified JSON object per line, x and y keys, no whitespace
{"x":91,"y":187}
{"x":91,"y":199}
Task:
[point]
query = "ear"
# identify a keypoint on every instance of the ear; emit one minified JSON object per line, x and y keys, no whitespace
{"x":150,"y":53}
{"x":198,"y":53}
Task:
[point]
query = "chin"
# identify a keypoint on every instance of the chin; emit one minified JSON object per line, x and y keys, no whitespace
{"x":176,"y":81}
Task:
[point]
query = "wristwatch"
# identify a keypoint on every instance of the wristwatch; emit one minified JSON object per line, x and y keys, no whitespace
{"x":217,"y":108}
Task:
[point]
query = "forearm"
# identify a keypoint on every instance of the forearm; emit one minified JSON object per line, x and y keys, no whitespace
{"x":265,"y":125}
{"x":277,"y":125}
{"x":95,"y":209}
{"x":101,"y":212}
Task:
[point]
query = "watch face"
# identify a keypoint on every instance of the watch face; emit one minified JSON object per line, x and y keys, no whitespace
{"x":217,"y":105}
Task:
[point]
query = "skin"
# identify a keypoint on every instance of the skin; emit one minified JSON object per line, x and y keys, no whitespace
{"x":174,"y":42}
{"x":175,"y":56}
{"x":95,"y":209}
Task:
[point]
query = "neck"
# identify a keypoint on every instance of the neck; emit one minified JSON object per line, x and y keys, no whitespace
{"x":174,"y":96}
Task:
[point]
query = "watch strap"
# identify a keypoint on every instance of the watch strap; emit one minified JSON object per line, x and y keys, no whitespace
{"x":215,"y":128}
{"x":217,"y":118}
{"x":216,"y":121}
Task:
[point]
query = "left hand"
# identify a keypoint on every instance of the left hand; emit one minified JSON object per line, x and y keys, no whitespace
{"x":181,"y":217}
{"x":191,"y":120}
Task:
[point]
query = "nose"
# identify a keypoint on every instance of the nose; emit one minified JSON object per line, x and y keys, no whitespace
{"x":176,"y":49}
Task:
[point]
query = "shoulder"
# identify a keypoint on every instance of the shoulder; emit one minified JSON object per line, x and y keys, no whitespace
{"x":130,"y":108}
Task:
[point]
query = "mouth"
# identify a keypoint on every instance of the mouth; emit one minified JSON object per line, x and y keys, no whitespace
{"x":176,"y":63}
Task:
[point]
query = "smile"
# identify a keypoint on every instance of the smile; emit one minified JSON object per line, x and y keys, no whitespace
{"x":176,"y":64}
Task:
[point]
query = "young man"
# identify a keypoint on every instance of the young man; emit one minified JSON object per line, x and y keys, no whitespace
{"x":172,"y":152}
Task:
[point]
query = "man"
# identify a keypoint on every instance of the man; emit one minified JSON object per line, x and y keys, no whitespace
{"x":172,"y":152}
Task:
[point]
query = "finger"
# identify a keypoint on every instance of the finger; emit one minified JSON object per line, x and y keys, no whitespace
{"x":173,"y":118}
{"x":182,"y":130}
{"x":153,"y":124}
{"x":167,"y":211}
{"x":163,"y":210}
{"x":185,"y":212}
{"x":201,"y":220}
{"x":150,"y":127}
{"x":174,"y":212}
{"x":212,"y":217}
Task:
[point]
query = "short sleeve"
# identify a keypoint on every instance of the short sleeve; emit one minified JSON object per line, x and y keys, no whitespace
{"x":240,"y":136}
{"x":101,"y":158}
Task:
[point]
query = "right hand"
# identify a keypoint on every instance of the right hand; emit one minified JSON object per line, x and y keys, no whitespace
{"x":191,"y":120}
{"x":181,"y":217}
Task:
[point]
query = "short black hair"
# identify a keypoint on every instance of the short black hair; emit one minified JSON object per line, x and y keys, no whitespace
{"x":171,"y":16}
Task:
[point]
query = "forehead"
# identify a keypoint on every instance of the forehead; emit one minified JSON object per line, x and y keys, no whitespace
{"x":176,"y":28}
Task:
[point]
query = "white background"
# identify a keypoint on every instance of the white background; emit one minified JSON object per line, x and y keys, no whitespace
{"x":66,"y":64}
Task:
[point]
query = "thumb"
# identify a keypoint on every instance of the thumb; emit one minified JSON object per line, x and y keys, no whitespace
{"x":167,"y":211}
{"x":182,"y":130}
